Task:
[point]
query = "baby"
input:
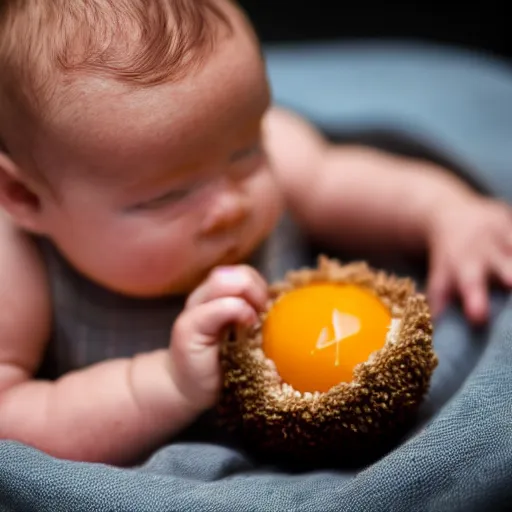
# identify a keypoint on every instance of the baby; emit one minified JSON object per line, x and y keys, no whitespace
{"x":141,"y":162}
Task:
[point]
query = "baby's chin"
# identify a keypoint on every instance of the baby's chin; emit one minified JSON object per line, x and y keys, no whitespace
{"x":188,"y":283}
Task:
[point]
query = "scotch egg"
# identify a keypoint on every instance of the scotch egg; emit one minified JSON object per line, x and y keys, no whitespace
{"x":340,"y":361}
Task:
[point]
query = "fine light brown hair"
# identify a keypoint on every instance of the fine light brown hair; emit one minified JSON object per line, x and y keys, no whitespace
{"x":139,"y":42}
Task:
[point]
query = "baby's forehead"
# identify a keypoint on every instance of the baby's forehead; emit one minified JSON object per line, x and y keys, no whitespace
{"x":232,"y":79}
{"x":115,"y":129}
{"x":44,"y":45}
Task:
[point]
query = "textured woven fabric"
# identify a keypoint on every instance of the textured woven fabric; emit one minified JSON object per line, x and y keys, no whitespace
{"x":460,"y":456}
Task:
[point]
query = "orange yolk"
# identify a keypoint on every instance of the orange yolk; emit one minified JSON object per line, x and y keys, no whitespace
{"x":318,"y":333}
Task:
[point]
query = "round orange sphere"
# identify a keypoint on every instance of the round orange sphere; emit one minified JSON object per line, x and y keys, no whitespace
{"x":318,"y":333}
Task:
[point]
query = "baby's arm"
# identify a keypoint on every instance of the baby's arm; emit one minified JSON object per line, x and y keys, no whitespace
{"x":358,"y":197}
{"x":110,"y":412}
{"x":118,"y":410}
{"x":355,"y":195}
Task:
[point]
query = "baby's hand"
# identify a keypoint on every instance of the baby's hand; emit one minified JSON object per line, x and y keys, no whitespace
{"x":230,"y":295}
{"x":470,"y":243}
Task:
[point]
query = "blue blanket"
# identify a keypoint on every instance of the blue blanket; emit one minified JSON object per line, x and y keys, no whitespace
{"x":459,"y":457}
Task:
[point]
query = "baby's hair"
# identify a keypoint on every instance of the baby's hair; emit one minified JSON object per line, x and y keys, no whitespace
{"x":137,"y":42}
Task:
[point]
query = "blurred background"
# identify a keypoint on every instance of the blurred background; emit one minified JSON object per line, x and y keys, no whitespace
{"x":480,"y":25}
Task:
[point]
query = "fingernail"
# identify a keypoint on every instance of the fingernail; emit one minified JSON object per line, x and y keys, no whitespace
{"x":229,"y":274}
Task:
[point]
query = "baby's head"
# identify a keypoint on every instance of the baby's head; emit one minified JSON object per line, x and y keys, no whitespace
{"x":131,"y":136}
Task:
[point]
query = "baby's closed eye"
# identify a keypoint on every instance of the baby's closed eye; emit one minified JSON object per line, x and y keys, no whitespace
{"x":170,"y":197}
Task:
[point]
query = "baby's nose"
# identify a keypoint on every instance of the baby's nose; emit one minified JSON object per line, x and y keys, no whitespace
{"x":228,"y":210}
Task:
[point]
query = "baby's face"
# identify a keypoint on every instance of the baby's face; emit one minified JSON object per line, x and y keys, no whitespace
{"x":159,"y":185}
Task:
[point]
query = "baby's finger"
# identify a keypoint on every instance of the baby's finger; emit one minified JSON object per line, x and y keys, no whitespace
{"x":472,"y":284}
{"x":232,"y":281}
{"x":205,"y":323}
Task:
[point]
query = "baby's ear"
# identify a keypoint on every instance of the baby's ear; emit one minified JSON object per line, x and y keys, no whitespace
{"x":17,"y":197}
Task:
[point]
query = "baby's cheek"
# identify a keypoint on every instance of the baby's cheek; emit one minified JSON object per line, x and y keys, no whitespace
{"x":135,"y":254}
